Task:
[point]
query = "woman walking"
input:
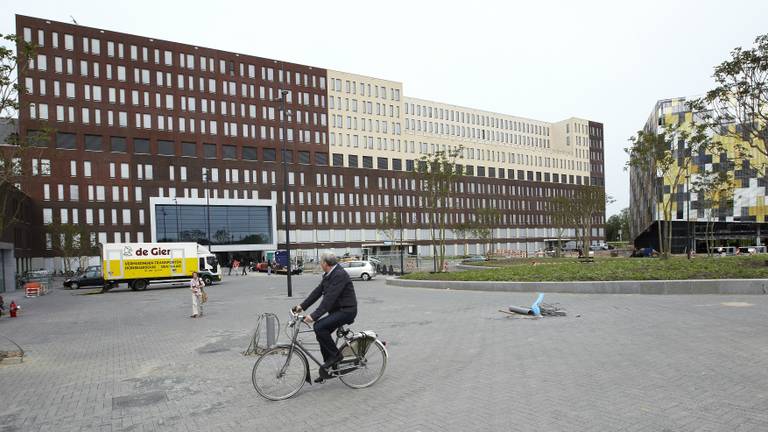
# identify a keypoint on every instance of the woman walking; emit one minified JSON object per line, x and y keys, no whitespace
{"x":196,"y":285}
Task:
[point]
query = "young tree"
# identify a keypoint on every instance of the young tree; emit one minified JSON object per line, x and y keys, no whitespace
{"x":562,"y":219}
{"x":668,"y":155}
{"x":389,"y":226}
{"x":15,"y":164}
{"x":70,"y":241}
{"x":617,"y":226}
{"x":738,"y":106}
{"x":461,"y":231}
{"x":483,"y":227}
{"x":588,"y":202}
{"x":715,"y":190}
{"x":436,"y":175}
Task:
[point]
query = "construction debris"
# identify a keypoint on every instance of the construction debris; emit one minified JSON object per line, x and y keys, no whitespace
{"x":538,"y":309}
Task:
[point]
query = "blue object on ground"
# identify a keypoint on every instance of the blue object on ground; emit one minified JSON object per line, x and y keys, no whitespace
{"x":535,"y":306}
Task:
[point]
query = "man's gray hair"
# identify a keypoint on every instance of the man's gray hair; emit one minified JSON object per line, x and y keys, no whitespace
{"x":329,"y":258}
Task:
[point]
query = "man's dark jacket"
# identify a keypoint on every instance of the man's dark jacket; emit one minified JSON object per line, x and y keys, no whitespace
{"x":337,"y":292}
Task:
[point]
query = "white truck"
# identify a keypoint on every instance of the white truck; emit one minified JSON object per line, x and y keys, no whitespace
{"x":139,"y":264}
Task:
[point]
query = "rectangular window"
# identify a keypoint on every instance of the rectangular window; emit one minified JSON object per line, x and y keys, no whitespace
{"x":269,"y":154}
{"x":367,"y":162}
{"x":382,"y":163}
{"x":228,"y":152}
{"x":140,"y":146}
{"x":321,"y":159}
{"x":166,"y":148}
{"x":65,"y":141}
{"x":189,"y":149}
{"x":352,"y":161}
{"x":338,"y":159}
{"x":304,"y":157}
{"x":209,"y":151}
{"x":249,"y":153}
{"x":117,"y":144}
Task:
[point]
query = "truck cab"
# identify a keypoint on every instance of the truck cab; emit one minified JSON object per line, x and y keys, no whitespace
{"x":209,"y":268}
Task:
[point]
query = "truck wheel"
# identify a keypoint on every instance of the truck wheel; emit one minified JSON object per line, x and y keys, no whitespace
{"x":139,"y":285}
{"x":207,"y":280}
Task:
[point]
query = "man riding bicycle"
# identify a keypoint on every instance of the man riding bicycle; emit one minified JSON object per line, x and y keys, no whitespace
{"x":339,"y":302}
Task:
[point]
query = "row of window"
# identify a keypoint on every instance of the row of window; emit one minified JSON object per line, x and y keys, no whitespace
{"x":211,"y":151}
{"x":92,"y":46}
{"x":474,"y":133}
{"x":337,"y":120}
{"x":94,"y":238}
{"x":93,"y":216}
{"x":475,"y":119}
{"x":95,"y":116}
{"x":365,"y":89}
{"x":118,"y":96}
{"x":468,"y":153}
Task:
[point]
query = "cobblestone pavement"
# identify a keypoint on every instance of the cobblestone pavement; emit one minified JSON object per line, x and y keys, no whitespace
{"x":135,"y":361}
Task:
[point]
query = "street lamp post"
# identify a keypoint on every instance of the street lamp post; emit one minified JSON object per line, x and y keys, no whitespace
{"x":283,"y":117}
{"x":207,"y":209}
{"x":400,"y":220}
{"x":178,"y":229}
{"x":688,"y":213}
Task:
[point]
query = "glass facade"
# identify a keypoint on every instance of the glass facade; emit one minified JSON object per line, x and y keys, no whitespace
{"x":229,"y":224}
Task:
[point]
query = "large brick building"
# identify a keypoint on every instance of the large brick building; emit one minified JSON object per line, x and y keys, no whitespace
{"x":143,"y":127}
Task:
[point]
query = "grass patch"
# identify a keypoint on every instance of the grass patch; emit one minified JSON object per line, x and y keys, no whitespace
{"x":608,"y":269}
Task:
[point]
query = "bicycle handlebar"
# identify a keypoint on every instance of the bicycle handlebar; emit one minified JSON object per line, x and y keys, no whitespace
{"x":295,"y":317}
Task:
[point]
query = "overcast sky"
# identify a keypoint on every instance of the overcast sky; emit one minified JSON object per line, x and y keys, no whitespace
{"x":607,"y":61}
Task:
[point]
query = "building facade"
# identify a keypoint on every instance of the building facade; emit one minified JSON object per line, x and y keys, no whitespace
{"x":151,"y":137}
{"x":737,"y":217}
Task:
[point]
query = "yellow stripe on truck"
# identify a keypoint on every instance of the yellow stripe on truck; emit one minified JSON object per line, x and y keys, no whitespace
{"x":145,"y":268}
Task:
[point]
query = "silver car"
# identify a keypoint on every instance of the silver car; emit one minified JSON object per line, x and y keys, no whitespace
{"x":359,"y":269}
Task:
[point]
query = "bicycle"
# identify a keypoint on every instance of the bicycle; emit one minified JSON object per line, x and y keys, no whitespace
{"x":283,"y":369}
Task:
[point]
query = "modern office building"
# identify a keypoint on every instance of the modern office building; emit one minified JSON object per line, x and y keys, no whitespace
{"x":739,"y":219}
{"x":157,"y":140}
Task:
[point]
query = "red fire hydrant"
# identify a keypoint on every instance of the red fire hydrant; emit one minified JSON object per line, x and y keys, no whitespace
{"x":14,"y":309}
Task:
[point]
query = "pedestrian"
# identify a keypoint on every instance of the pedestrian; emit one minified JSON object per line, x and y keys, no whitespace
{"x":2,"y":305}
{"x":196,"y":285}
{"x":245,"y":268}
{"x":236,"y":265}
{"x":269,"y":268}
{"x":231,"y":264}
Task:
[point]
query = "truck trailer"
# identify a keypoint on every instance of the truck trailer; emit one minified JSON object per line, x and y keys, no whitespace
{"x":140,"y":264}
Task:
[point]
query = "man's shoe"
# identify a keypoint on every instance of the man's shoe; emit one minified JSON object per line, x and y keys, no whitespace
{"x":333,"y":361}
{"x":324,"y":375}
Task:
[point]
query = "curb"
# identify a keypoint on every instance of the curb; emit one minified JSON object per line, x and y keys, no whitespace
{"x":656,"y":287}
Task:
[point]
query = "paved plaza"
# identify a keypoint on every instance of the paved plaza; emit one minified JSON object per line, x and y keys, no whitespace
{"x":135,"y":361}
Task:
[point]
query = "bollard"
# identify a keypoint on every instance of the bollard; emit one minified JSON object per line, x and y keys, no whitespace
{"x":270,"y":330}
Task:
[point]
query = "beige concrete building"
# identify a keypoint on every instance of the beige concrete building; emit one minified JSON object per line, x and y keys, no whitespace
{"x":374,"y":126}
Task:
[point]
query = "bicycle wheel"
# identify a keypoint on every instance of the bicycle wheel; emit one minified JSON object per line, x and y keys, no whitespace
{"x":369,"y":371}
{"x":266,"y":376}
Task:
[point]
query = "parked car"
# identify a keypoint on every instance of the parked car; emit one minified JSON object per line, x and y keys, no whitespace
{"x":475,"y":258}
{"x":34,"y":275}
{"x":359,"y":269}
{"x":260,"y":267}
{"x":92,"y":277}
